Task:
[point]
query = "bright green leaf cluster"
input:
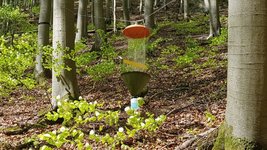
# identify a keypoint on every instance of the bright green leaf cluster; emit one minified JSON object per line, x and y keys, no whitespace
{"x":79,"y":113}
{"x":16,"y":62}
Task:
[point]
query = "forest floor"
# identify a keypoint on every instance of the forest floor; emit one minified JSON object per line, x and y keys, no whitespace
{"x":190,"y":92}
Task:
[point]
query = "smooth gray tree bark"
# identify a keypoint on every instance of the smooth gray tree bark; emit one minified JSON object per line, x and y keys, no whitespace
{"x":92,"y":11}
{"x":99,"y":20}
{"x":126,"y":13}
{"x":114,"y":6}
{"x":185,"y":9}
{"x":82,"y":20}
{"x":64,"y":82}
{"x":149,"y":17}
{"x":141,"y":6}
{"x":108,"y":11}
{"x":215,"y":24}
{"x":43,"y":38}
{"x":246,"y":112}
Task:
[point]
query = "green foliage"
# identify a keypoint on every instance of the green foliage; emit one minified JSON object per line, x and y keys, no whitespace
{"x":192,"y":53}
{"x":80,"y":113}
{"x":12,"y":20}
{"x":35,"y":10}
{"x":209,"y":117}
{"x":226,"y":140}
{"x":104,"y":60}
{"x":90,"y":26}
{"x":155,"y":45}
{"x":221,"y":39}
{"x":193,"y":26}
{"x":16,"y":62}
{"x":101,"y":70}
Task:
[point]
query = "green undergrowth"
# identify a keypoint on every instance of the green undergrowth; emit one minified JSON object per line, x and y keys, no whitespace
{"x":196,"y":25}
{"x":226,"y":140}
{"x":191,"y":52}
{"x":13,"y":21}
{"x":17,"y":63}
{"x":87,"y":124}
{"x":98,"y":64}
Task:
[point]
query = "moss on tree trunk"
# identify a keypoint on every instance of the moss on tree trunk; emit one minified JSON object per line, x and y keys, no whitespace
{"x":226,"y":141}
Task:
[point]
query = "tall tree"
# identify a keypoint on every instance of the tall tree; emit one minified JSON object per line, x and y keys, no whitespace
{"x":114,"y":6}
{"x":82,"y":20}
{"x":149,"y":17}
{"x":215,"y":24}
{"x":43,"y":38}
{"x":64,"y":82}
{"x":246,"y":113}
{"x":141,"y":4}
{"x":185,"y":9}
{"x":99,"y":21}
{"x":126,"y":13}
{"x":108,"y":11}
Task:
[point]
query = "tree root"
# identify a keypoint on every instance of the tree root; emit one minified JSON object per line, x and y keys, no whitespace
{"x":190,"y":142}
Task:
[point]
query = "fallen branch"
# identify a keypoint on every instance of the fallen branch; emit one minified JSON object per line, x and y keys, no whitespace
{"x":189,"y":142}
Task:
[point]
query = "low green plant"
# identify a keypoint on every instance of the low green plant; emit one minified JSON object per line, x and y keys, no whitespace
{"x":77,"y":114}
{"x":12,"y":21}
{"x":221,"y":39}
{"x":192,"y":52}
{"x":210,"y":117}
{"x":186,"y":59}
{"x":101,"y":70}
{"x":17,"y":63}
{"x":155,"y":44}
{"x":193,"y":26}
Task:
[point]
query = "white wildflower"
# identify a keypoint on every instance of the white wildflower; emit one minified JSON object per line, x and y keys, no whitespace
{"x":54,"y":132}
{"x":158,"y":119}
{"x":97,"y":113}
{"x":92,"y":132}
{"x":59,"y":103}
{"x":47,"y":135}
{"x":87,"y":144}
{"x":127,"y":108}
{"x":95,"y":102}
{"x":142,"y":124}
{"x":121,"y":129}
{"x":58,"y":97}
{"x":62,"y":129}
{"x":80,"y":97}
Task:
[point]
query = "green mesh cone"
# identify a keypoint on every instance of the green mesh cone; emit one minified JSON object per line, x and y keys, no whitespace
{"x":135,"y":81}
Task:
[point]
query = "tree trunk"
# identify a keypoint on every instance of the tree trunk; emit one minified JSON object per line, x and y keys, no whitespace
{"x":82,"y":20}
{"x":64,"y":82}
{"x":206,"y":6}
{"x":149,"y":19}
{"x":43,"y":39}
{"x":99,"y":15}
{"x":114,"y":16}
{"x":126,"y":13}
{"x":246,"y":113}
{"x":92,"y":12}
{"x":108,"y":11}
{"x":185,"y":9}
{"x":215,"y":24}
{"x":51,"y":16}
{"x":141,"y":6}
{"x":99,"y":23}
{"x":181,"y":6}
{"x":156,"y":3}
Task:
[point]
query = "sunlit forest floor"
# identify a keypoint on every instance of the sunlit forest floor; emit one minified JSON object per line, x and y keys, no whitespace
{"x":188,"y":85}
